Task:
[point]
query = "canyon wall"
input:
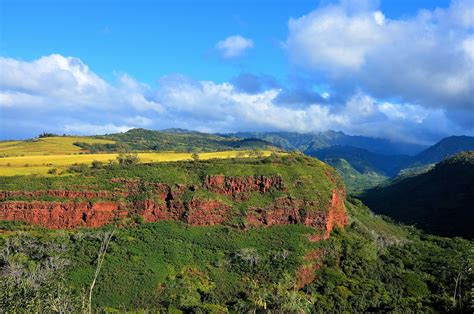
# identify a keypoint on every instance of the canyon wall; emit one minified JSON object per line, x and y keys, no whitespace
{"x":72,"y":209}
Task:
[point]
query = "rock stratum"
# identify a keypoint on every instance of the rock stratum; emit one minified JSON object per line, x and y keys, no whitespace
{"x":64,"y":209}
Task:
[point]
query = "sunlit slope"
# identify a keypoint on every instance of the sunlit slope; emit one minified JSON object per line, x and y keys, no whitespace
{"x":47,"y":146}
{"x":41,"y":164}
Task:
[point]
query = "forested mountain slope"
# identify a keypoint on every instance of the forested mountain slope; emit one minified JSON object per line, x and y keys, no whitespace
{"x":440,"y":201}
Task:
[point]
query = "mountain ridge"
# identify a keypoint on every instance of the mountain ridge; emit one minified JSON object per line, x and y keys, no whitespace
{"x":440,"y":200}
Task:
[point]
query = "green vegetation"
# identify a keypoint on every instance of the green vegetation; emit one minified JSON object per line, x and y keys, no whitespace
{"x":439,"y":201}
{"x":176,"y":140}
{"x":42,"y":164}
{"x":355,"y":181}
{"x":364,"y":161}
{"x":446,"y":147}
{"x":309,"y":172}
{"x":312,"y":142}
{"x":375,"y":266}
{"x":370,"y":266}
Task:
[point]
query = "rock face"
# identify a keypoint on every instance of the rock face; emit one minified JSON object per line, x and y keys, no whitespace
{"x":288,"y":211}
{"x":61,"y":215}
{"x":173,"y":203}
{"x":237,"y":187}
{"x":57,"y":193}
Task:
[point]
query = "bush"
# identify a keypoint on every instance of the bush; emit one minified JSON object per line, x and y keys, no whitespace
{"x":78,"y":168}
{"x":96,"y":164}
{"x":128,"y":159}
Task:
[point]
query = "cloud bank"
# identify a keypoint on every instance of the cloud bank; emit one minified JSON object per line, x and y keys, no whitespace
{"x":427,"y":59}
{"x":409,"y":79}
{"x":61,"y":94}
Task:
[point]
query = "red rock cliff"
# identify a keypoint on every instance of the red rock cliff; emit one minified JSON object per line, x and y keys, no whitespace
{"x":168,"y":204}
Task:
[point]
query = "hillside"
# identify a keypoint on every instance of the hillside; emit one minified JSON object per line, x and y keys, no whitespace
{"x":364,"y":153}
{"x":286,"y":189}
{"x":311,"y":142}
{"x":53,"y":145}
{"x":444,"y":148}
{"x":177,"y":140}
{"x":214,"y":236}
{"x":356,"y":182}
{"x":364,"y":161}
{"x":439,"y":201}
{"x":65,"y":164}
{"x":371,"y":265}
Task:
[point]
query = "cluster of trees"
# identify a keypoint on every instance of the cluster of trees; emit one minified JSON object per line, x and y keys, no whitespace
{"x":47,"y":134}
{"x":358,"y":272}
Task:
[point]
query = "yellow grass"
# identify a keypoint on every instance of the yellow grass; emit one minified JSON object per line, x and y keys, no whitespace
{"x":40,"y":164}
{"x":47,"y":146}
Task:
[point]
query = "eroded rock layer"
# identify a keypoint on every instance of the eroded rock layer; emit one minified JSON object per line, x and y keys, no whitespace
{"x":158,"y":201}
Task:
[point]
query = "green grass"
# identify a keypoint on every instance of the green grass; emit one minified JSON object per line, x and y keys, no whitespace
{"x":304,"y":178}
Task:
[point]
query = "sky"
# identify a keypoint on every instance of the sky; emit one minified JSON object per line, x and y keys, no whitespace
{"x":396,"y":69}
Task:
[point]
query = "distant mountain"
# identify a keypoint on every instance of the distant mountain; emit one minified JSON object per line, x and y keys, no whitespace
{"x":440,"y":201}
{"x":367,"y":156}
{"x":175,"y":140}
{"x":444,"y":148}
{"x":363,"y":160}
{"x":310,"y":142}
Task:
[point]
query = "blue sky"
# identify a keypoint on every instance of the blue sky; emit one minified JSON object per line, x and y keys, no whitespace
{"x":213,"y":65}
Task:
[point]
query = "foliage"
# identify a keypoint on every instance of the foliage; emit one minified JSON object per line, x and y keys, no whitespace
{"x":311,"y":173}
{"x":128,"y":159}
{"x":183,"y":141}
{"x":356,"y":182}
{"x":438,"y":201}
{"x":46,"y":134}
{"x":195,"y":156}
{"x":370,"y":266}
{"x":34,"y":275}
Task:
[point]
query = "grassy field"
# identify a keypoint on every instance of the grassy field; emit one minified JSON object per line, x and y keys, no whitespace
{"x":40,"y":164}
{"x":47,"y":146}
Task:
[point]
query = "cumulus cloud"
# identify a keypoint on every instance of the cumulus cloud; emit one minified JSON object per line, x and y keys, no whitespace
{"x":233,"y":46}
{"x":426,"y":59}
{"x":87,"y":104}
{"x":62,"y":90}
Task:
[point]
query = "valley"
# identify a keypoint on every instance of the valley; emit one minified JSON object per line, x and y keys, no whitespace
{"x":231,"y":230}
{"x":221,"y":157}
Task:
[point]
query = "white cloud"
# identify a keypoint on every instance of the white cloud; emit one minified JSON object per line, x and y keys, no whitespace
{"x":94,"y":129}
{"x":379,"y":18}
{"x":426,"y":59}
{"x":87,"y":104}
{"x":233,"y":46}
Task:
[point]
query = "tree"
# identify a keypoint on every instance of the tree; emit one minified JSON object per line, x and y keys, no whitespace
{"x":96,"y":164}
{"x":195,"y":156}
{"x":106,"y":238}
{"x":128,"y":159}
{"x":33,"y":276}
